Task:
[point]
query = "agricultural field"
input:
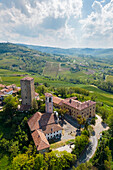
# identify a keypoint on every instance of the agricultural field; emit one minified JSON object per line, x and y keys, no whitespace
{"x":109,"y":78}
{"x":100,"y":95}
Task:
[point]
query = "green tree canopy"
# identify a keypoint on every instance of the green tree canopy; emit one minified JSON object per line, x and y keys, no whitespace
{"x":11,"y":104}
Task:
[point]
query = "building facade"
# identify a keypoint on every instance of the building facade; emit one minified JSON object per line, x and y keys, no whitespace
{"x":27,"y":91}
{"x":49,"y":102}
{"x":45,"y":126}
{"x":85,"y":109}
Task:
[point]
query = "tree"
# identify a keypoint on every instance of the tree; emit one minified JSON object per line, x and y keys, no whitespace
{"x":42,"y":108}
{"x":59,"y":160}
{"x":4,"y":144}
{"x":85,"y":132}
{"x":11,"y":104}
{"x":81,"y":120}
{"x":62,"y":112}
{"x":34,"y":105}
{"x":39,"y":162}
{"x":41,"y":89}
{"x":19,"y":162}
{"x":104,"y":113}
{"x":110,"y":122}
{"x":84,"y":166}
{"x":80,"y":143}
{"x":14,"y":148}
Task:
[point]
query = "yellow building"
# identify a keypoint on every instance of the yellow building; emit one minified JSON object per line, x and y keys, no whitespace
{"x":85,"y":109}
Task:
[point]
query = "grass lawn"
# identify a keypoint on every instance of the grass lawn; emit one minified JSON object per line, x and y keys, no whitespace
{"x":61,"y":143}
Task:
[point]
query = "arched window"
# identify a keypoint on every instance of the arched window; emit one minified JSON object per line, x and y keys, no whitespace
{"x":50,"y":99}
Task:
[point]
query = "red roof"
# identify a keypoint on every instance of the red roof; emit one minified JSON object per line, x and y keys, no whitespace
{"x":77,"y":104}
{"x":41,"y":124}
{"x":48,"y":95}
{"x":51,"y":128}
{"x":27,"y":78}
{"x":40,"y":140}
{"x":57,"y":100}
{"x":36,"y":94}
{"x":1,"y":85}
{"x":33,"y":122}
{"x":38,"y":120}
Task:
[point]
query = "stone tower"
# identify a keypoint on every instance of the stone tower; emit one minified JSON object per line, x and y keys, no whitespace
{"x":49,"y":103}
{"x":27,"y":91}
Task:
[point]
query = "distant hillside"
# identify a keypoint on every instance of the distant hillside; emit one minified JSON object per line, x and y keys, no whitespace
{"x":20,"y":58}
{"x":74,"y":51}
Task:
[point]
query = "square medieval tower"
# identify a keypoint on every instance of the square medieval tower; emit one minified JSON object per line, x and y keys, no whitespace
{"x":27,"y":91}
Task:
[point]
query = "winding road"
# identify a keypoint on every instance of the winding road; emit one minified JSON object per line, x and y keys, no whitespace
{"x":90,"y":150}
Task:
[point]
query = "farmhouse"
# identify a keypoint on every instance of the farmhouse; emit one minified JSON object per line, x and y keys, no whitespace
{"x":44,"y":126}
{"x":85,"y":109}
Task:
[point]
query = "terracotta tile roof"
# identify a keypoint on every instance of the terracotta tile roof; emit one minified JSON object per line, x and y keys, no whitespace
{"x":9,"y":89}
{"x":15,"y":91}
{"x":48,"y":95}
{"x":38,"y":120}
{"x":33,"y":122}
{"x":36,"y":94}
{"x":27,"y":78}
{"x":78,"y":105}
{"x":47,"y":118}
{"x":51,"y":128}
{"x":2,"y":86}
{"x":6,"y":90}
{"x":74,"y":98}
{"x":11,"y":86}
{"x":40,"y":140}
{"x":57,"y":100}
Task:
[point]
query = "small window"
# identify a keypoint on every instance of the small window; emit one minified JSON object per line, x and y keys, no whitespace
{"x":26,"y":97}
{"x":50,"y":99}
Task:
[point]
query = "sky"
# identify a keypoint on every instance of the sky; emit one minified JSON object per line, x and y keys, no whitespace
{"x":57,"y":23}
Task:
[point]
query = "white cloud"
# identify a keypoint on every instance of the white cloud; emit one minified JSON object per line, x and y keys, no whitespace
{"x":56,"y":22}
{"x":38,"y":19}
{"x":98,"y":26}
{"x":97,"y":6}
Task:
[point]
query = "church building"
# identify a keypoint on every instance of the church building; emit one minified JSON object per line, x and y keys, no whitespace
{"x":44,"y":126}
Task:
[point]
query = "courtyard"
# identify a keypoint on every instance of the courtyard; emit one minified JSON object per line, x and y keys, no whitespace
{"x":70,"y":128}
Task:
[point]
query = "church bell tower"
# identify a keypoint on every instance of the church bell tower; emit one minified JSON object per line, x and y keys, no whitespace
{"x":49,"y":102}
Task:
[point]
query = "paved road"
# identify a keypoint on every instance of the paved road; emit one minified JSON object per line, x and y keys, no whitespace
{"x":99,"y":126}
{"x":71,"y":125}
{"x":89,"y":152}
